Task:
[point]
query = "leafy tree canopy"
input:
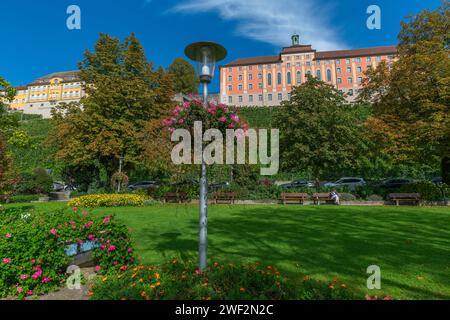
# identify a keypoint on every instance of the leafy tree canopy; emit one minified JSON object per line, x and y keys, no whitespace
{"x":184,"y":77}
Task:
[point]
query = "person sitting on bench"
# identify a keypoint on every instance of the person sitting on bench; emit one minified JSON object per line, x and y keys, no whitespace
{"x":335,"y":197}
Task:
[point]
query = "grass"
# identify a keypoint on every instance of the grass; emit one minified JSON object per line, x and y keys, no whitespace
{"x":411,"y":245}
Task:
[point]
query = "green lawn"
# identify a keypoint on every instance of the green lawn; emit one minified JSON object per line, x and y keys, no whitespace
{"x":410,"y":244}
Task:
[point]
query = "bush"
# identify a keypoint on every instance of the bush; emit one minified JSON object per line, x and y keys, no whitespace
{"x":107,"y":200}
{"x":182,"y":281}
{"x":375,"y":197}
{"x":38,"y":182}
{"x":32,"y":247}
{"x":429,"y":191}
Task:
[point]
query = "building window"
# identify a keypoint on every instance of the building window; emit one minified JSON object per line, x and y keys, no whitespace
{"x":230,"y":78}
{"x":230,"y":99}
{"x":350,"y":80}
{"x":240,"y":77}
{"x":378,"y":58}
{"x":338,"y":61}
{"x":289,"y":96}
{"x":240,"y":87}
{"x":358,"y":59}
{"x":259,"y":75}
{"x":250,"y":68}
{"x":250,"y":98}
{"x":339,"y":80}
{"x":368,"y":59}
{"x":260,"y":67}
{"x":349,"y":69}
{"x":260,"y":97}
{"x":240,"y":99}
{"x":288,"y":65}
{"x":347,"y":61}
{"x":299,"y":77}
{"x":269,"y":79}
{"x":288,"y":76}
{"x":230,"y":88}
{"x":328,"y":75}
{"x":280,"y":97}
{"x":308,"y":63}
{"x":359,"y":69}
{"x":250,"y":76}
{"x":279,"y":78}
{"x":230,"y":69}
{"x":240,"y":68}
{"x":250,"y":86}
{"x":339,"y":70}
{"x":269,"y":97}
{"x":308,"y":72}
{"x":260,"y":85}
{"x":297,"y":64}
{"x":318,"y":75}
{"x":359,"y":79}
{"x":350,"y":92}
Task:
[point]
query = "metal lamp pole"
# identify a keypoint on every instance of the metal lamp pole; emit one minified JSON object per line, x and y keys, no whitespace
{"x":206,"y":54}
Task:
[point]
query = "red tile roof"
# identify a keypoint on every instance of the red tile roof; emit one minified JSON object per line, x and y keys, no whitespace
{"x":297,"y":49}
{"x":254,"y":60}
{"x":376,"y":51}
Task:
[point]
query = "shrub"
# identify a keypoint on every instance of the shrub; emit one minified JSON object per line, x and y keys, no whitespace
{"x":32,"y":247}
{"x":23,"y":198}
{"x":107,"y":200}
{"x":38,"y":182}
{"x":180,"y":280}
{"x":429,"y":191}
{"x":347,"y":197}
{"x":375,"y":197}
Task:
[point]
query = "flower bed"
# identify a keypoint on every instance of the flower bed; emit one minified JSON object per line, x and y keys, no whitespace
{"x":32,"y":248}
{"x":108,"y":200}
{"x":181,"y":281}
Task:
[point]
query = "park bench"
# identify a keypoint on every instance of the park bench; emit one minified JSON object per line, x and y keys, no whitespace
{"x":398,"y":198}
{"x":293,"y":198}
{"x":322,"y":197}
{"x":175,"y":197}
{"x":225,"y":197}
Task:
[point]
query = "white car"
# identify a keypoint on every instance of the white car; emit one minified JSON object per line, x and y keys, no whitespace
{"x":350,"y":182}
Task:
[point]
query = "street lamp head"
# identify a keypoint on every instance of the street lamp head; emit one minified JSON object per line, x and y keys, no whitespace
{"x":206,"y":54}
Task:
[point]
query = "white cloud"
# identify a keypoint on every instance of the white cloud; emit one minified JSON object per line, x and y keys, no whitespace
{"x":273,"y":21}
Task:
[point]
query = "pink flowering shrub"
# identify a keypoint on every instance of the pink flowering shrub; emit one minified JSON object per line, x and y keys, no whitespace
{"x":33,"y":259}
{"x":213,"y":115}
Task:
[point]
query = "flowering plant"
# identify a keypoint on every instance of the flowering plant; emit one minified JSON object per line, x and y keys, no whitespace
{"x":212,"y":115}
{"x":107,"y":200}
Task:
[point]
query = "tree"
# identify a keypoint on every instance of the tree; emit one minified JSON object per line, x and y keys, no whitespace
{"x":124,"y":92}
{"x":184,"y":76}
{"x":7,"y":177}
{"x":319,"y":132}
{"x":411,"y":96}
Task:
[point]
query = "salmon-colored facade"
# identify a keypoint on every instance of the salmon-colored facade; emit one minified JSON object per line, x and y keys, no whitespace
{"x":269,"y":80}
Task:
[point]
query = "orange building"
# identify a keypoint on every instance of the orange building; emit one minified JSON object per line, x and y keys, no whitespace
{"x":269,"y":80}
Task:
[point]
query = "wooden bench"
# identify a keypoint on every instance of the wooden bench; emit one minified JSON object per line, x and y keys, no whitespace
{"x":322,"y":197}
{"x":225,"y":197}
{"x":175,"y":197}
{"x":293,"y":198}
{"x":397,"y":198}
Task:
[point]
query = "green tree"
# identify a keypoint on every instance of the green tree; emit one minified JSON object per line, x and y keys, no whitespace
{"x":411,"y":96}
{"x":184,"y":77}
{"x":320,"y":133}
{"x":124,"y":92}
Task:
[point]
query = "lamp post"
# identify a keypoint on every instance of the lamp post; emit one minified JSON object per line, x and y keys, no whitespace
{"x":120,"y":171}
{"x":206,"y":54}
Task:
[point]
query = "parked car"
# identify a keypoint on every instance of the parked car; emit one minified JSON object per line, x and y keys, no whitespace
{"x":298,"y":184}
{"x":350,"y":182}
{"x":144,"y":185}
{"x":58,"y":186}
{"x":393,"y":183}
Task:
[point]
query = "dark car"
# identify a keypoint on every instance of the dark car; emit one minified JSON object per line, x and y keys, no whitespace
{"x":144,"y":185}
{"x":393,"y":183}
{"x":298,"y":184}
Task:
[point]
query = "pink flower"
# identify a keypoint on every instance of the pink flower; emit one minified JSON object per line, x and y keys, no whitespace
{"x":23,"y":277}
{"x":29,"y":292}
{"x":54,"y":232}
{"x":98,"y":268}
{"x":46,"y":280}
{"x":7,"y":260}
{"x":92,"y":237}
{"x":8,"y":236}
{"x":130,"y":250}
{"x":111,"y":248}
{"x":181,"y":121}
{"x":19,"y":289}
{"x":103,"y":246}
{"x":33,"y":261}
{"x":37,"y":274}
{"x":75,"y":209}
{"x":106,"y":220}
{"x":222,"y":119}
{"x":234,"y":117}
{"x":115,"y":263}
{"x":231,"y":125}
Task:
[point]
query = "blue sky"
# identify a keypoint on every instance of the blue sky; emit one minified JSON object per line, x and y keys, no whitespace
{"x":36,"y":40}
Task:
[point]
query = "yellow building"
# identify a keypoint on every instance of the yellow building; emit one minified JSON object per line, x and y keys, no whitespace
{"x":45,"y":93}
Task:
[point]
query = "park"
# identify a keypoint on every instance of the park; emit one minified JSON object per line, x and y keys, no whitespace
{"x":98,"y":202}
